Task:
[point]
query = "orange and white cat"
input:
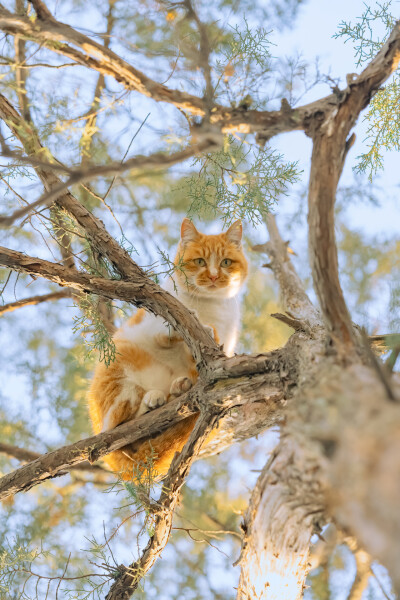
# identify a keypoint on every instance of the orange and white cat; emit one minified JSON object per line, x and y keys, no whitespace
{"x":153,"y":363}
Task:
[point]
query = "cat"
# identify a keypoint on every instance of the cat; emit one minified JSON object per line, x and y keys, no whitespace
{"x":153,"y":364}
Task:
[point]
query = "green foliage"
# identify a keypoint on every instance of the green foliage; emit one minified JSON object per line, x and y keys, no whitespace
{"x":382,"y":118}
{"x":245,"y":63}
{"x":92,"y":327}
{"x":238,"y":182}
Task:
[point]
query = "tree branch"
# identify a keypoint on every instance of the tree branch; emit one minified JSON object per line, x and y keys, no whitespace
{"x":131,"y":576}
{"x":330,"y":146}
{"x":34,"y":300}
{"x":195,"y":335}
{"x":294,"y":297}
{"x":28,"y":456}
{"x":223,"y":395}
{"x":158,"y":160}
{"x":52,"y":34}
{"x":138,"y":290}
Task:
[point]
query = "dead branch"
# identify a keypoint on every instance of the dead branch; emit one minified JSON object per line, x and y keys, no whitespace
{"x":292,"y":290}
{"x":33,"y":300}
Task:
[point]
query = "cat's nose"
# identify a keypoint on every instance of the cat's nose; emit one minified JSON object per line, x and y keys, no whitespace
{"x":213,"y":277}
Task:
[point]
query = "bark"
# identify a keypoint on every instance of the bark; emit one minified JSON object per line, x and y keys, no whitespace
{"x":236,"y":393}
{"x":363,"y":573}
{"x":60,"y":38}
{"x":293,"y":296}
{"x":158,"y":160}
{"x":130,"y":577}
{"x":339,"y":455}
{"x":139,"y":290}
{"x":28,"y":456}
{"x":330,"y":147}
{"x":195,"y":335}
{"x":288,"y":494}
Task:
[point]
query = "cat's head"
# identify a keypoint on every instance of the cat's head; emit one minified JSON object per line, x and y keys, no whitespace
{"x":211,"y":265}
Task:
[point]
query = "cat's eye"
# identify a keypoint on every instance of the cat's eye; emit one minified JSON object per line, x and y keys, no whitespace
{"x":200,"y":262}
{"x":226,"y":262}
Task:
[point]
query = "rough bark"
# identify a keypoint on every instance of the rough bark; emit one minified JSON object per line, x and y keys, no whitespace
{"x":339,"y":456}
{"x":57,"y":37}
{"x":25,"y":455}
{"x":228,"y":393}
{"x":330,"y":147}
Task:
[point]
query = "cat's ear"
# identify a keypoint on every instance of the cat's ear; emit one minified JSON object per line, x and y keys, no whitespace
{"x":189,"y":232}
{"x":234,"y":233}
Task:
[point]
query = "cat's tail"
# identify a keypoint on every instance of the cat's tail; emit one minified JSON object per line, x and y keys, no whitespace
{"x":153,"y":456}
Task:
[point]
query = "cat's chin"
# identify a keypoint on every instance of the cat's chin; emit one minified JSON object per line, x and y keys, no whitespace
{"x":213,"y":291}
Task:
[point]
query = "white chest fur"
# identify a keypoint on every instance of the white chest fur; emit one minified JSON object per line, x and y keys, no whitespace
{"x":221,"y":313}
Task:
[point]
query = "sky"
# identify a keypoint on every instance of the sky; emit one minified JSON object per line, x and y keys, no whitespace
{"x":312,"y":35}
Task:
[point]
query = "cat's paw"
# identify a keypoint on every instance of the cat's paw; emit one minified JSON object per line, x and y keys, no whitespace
{"x":180,"y":385}
{"x":151,"y":400}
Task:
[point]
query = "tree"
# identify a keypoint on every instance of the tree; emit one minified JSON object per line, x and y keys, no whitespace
{"x":334,"y":401}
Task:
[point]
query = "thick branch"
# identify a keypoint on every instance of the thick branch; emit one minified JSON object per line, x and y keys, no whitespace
{"x":285,"y":509}
{"x":33,"y":300}
{"x":53,"y":35}
{"x":227,"y":393}
{"x":329,"y":151}
{"x":361,"y":472}
{"x":139,"y":290}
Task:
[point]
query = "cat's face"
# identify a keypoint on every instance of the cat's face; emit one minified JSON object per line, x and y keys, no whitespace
{"x":213,"y":265}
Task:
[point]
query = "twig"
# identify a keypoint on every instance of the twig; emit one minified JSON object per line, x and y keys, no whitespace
{"x":125,"y":155}
{"x":379,"y":368}
{"x":378,"y":581}
{"x":34,"y":300}
{"x":158,"y":160}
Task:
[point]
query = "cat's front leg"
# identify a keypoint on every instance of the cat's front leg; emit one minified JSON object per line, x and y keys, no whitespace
{"x":151,"y":400}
